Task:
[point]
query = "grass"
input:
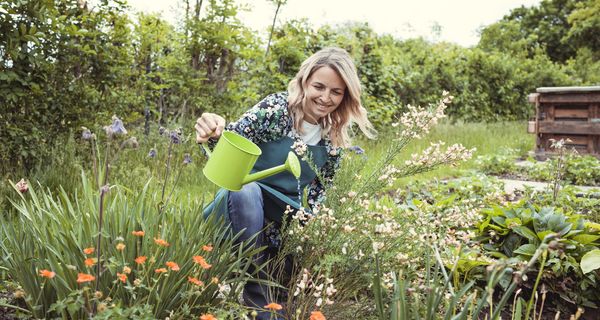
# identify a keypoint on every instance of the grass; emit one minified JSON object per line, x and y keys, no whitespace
{"x":487,"y":138}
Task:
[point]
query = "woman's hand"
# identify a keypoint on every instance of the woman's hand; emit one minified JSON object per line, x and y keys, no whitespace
{"x":209,"y":125}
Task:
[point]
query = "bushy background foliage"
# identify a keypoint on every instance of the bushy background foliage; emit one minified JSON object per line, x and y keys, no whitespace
{"x":65,"y":64}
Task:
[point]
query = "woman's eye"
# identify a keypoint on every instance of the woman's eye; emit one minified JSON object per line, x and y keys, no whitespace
{"x":337,"y":93}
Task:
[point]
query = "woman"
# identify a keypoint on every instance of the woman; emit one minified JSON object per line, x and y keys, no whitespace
{"x":312,"y":119}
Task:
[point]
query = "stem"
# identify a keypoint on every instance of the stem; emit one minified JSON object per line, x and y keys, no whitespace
{"x":173,"y":188}
{"x":162,"y":196}
{"x":537,"y":281}
{"x":98,"y":262}
{"x":95,"y":161}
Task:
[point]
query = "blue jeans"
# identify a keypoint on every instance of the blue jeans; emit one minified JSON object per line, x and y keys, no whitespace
{"x":246,"y":212}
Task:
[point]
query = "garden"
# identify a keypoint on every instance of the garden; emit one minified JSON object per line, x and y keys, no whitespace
{"x":102,"y":191}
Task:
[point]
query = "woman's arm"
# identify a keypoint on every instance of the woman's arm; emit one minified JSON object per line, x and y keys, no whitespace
{"x":266,"y":121}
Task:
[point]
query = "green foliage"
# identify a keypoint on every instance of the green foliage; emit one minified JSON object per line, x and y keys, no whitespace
{"x":498,"y":164}
{"x":51,"y":232}
{"x":515,"y":231}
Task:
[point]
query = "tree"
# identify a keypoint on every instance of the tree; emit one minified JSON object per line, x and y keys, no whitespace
{"x":278,"y":3}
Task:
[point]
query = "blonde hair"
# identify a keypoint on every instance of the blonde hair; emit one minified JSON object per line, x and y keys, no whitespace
{"x":350,"y":110}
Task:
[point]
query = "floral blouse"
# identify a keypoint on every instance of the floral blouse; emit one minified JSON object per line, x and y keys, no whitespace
{"x":270,"y":120}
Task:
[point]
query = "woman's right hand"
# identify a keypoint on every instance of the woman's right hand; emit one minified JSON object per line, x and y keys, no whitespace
{"x":209,"y":125}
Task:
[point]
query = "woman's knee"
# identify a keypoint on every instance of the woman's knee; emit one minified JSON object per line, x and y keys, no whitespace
{"x":247,"y":202}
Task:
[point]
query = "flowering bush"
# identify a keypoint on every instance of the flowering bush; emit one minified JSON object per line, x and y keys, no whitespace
{"x":334,"y":249}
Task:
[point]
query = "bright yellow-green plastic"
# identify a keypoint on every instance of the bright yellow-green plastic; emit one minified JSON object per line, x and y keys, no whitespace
{"x":233,"y":158}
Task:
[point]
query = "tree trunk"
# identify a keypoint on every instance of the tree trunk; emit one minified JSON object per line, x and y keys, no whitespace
{"x":272,"y":28}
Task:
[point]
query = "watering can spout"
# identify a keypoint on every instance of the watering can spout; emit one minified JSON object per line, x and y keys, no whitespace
{"x":292,"y":164}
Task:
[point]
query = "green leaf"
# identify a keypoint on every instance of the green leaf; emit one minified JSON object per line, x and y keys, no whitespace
{"x":526,"y":250}
{"x":590,"y":261}
{"x":585,"y":238}
{"x":525,"y":232}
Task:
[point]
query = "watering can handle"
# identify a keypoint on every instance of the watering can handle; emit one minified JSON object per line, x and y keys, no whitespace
{"x":206,"y":149}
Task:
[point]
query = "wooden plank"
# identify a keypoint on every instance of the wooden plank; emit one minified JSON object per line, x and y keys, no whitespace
{"x":571,"y":113}
{"x":569,"y":127}
{"x":584,"y":98}
{"x":575,"y":139}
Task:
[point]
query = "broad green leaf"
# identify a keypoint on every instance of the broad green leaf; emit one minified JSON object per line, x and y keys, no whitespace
{"x":526,"y":250}
{"x":585,"y":238}
{"x":525,"y":232}
{"x":590,"y":261}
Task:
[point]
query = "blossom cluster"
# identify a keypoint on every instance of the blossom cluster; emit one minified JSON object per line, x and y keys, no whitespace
{"x":434,"y":155}
{"x":418,"y":121}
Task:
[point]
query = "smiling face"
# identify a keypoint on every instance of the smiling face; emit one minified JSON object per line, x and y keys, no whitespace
{"x":324,"y":93}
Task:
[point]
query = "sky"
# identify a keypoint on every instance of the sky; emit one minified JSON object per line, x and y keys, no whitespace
{"x":458,"y":20}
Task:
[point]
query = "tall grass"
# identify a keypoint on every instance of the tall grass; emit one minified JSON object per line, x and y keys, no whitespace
{"x":488,"y":138}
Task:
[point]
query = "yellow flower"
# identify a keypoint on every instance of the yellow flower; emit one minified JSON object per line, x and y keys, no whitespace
{"x":120,"y":246}
{"x":126,"y":270}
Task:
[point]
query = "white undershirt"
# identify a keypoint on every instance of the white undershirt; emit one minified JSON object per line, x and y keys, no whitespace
{"x":312,"y":133}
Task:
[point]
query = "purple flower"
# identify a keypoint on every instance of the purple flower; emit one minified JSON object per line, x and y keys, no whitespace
{"x":152,"y":153}
{"x":116,"y":128}
{"x":175,"y":138}
{"x":86,"y":134}
{"x":187,"y":159}
{"x":161,"y":130}
{"x":357,"y":149}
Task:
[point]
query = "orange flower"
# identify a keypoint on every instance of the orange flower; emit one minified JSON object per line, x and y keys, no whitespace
{"x":161,"y":242}
{"x":89,"y":250}
{"x":84,"y":277}
{"x":120,"y":246}
{"x":215,"y":280}
{"x":47,"y":274}
{"x":138,"y":233}
{"x":172,"y":265}
{"x":90,"y":262}
{"x":122,"y":277}
{"x":208,"y":316}
{"x":195,"y":281}
{"x":273,"y":306}
{"x":141,"y":259}
{"x":160,"y":270}
{"x":317,"y":315}
{"x":207,"y":248}
{"x":202,"y":262}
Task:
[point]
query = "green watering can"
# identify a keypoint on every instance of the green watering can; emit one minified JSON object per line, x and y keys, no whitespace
{"x":233,"y":157}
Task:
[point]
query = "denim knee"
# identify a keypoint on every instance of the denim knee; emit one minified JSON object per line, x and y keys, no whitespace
{"x":246,"y":210}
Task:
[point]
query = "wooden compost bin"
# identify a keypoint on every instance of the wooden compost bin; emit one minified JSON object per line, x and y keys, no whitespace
{"x":566,"y":113}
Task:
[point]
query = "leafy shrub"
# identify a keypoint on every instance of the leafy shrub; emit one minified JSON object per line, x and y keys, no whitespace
{"x":515,"y":231}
